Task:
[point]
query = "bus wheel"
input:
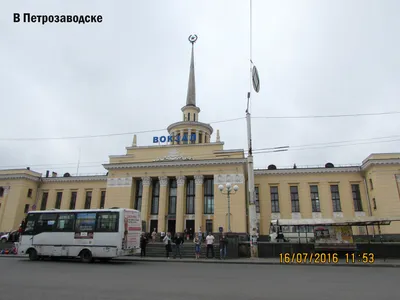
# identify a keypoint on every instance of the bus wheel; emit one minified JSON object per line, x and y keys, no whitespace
{"x":33,"y":255}
{"x":86,"y":256}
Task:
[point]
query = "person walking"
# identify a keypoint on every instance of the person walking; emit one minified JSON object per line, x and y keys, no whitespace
{"x":168,"y":244}
{"x":197,"y":246}
{"x":223,"y":245}
{"x":143,"y":244}
{"x":210,"y":244}
{"x":178,"y":244}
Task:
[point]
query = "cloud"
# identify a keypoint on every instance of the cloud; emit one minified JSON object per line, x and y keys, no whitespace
{"x":130,"y":73}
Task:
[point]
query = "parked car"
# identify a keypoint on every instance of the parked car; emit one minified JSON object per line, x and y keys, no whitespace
{"x":10,"y":237}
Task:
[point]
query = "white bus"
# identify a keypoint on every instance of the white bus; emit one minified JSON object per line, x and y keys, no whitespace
{"x":89,"y":234}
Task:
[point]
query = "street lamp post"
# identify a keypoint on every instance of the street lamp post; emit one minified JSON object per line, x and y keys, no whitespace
{"x":229,"y":190}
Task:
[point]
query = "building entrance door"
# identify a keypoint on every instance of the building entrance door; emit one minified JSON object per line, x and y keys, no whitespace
{"x":153,"y":225}
{"x":190,"y":227}
{"x":171,"y":227}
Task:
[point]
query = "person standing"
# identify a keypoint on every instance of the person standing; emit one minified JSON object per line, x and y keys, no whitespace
{"x":168,"y":244}
{"x":143,"y":244}
{"x":197,"y":246}
{"x":223,"y":245}
{"x":210,"y":244}
{"x":178,"y":243}
{"x":154,"y":235}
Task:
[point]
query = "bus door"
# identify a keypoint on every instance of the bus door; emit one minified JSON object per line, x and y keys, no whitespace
{"x":28,"y":229}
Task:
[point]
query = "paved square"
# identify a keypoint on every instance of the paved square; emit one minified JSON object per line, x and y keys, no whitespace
{"x":65,"y":280}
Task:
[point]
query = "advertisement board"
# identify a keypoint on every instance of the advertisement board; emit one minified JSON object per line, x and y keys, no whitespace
{"x":133,"y":229}
{"x":333,"y":235}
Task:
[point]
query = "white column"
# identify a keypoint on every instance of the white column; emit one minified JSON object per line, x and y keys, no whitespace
{"x":197,"y":136}
{"x":180,"y":201}
{"x":144,"y":211}
{"x":189,"y":136}
{"x":198,"y":202}
{"x":162,"y":203}
{"x":181,"y":133}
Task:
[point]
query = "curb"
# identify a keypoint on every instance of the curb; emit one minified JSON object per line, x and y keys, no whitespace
{"x":250,"y":262}
{"x":235,"y":262}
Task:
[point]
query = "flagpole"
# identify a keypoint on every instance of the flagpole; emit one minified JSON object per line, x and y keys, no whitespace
{"x":253,"y":226}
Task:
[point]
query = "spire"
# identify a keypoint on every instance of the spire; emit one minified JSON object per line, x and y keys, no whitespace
{"x":191,"y":94}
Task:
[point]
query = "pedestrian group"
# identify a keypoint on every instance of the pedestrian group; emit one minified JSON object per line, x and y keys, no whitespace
{"x":179,"y":240}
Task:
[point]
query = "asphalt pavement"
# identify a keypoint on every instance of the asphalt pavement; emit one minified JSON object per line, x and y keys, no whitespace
{"x":66,"y":280}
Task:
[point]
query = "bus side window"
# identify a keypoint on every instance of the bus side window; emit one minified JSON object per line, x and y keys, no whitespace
{"x":29,"y":224}
{"x":107,"y":222}
{"x":85,"y":222}
{"x":65,"y":222}
{"x":46,"y":222}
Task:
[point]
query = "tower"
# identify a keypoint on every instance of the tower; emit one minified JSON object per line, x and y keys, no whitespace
{"x":190,"y":130}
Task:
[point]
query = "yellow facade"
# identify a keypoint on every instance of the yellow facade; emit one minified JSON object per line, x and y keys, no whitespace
{"x":371,"y":189}
{"x":375,"y":185}
{"x":175,"y":185}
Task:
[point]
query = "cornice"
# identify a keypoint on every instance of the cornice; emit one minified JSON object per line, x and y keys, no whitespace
{"x":19,"y":176}
{"x":75,"y":178}
{"x":241,"y":151}
{"x":20,"y":171}
{"x":175,"y":163}
{"x":307,"y":171}
{"x":123,"y":155}
{"x":190,"y":107}
{"x":173,"y":146}
{"x":375,"y":162}
{"x":191,"y":124}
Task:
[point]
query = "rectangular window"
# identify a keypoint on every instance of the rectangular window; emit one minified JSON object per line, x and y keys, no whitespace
{"x":46,"y":222}
{"x":294,"y":197}
{"x":155,"y":197}
{"x":44,"y":201}
{"x":209,"y":226}
{"x":355,"y":189}
{"x":371,"y":185}
{"x":72,"y":202}
{"x":107,"y":222}
{"x":190,"y":195}
{"x":1,"y":191}
{"x":209,"y":196}
{"x":172,"y":196}
{"x":274,"y":199}
{"x":29,"y":193}
{"x":138,"y":195}
{"x":257,"y":198}
{"x":316,"y":207}
{"x":65,"y":222}
{"x":335,"y":198}
{"x":102,"y":199}
{"x":85,"y":222}
{"x":88,"y":199}
{"x":58,"y":200}
{"x":26,"y":208}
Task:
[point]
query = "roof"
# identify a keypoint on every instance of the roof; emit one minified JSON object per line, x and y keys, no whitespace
{"x":81,"y":210}
{"x":356,"y":221}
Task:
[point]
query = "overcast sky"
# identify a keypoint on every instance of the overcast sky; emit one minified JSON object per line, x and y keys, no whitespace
{"x":130,"y":73}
